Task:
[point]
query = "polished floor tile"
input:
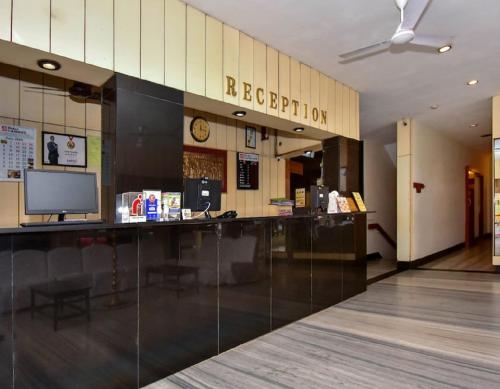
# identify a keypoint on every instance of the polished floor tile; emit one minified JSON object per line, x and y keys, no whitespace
{"x":419,"y":328}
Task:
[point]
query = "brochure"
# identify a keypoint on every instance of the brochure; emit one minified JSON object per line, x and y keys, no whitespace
{"x":152,"y":205}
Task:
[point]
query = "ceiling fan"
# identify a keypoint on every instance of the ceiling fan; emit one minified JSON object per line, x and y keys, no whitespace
{"x":79,"y":91}
{"x":411,"y":12}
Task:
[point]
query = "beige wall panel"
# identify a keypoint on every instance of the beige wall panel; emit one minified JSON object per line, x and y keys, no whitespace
{"x":305,"y":94}
{"x":231,"y":49}
{"x":249,"y":202}
{"x":345,"y":111}
{"x":53,"y":102}
{"x":245,"y":89}
{"x":284,"y":86}
{"x":338,"y":108}
{"x":93,"y":116}
{"x":195,"y":55}
{"x":272,"y":82}
{"x":31,"y":23}
{"x":357,"y":129}
{"x":281,"y":177}
{"x":240,"y":138}
{"x":314,"y":111}
{"x":353,"y":133}
{"x":9,"y":85}
{"x":10,"y":214}
{"x":404,"y":208}
{"x":265,"y":184}
{"x":231,"y":181}
{"x":273,"y":178}
{"x":175,"y":44}
{"x":403,"y":144}
{"x":495,"y":105}
{"x":332,"y":107}
{"x":75,"y":111}
{"x":211,"y":142}
{"x":188,"y":117}
{"x":128,"y":37}
{"x":241,"y":207}
{"x":295,"y":91}
{"x":153,"y":40}
{"x":323,"y":101}
{"x":260,"y":76}
{"x":99,"y":33}
{"x":5,"y":19}
{"x":213,"y":73}
{"x":258,"y":201}
{"x":231,"y":134}
{"x":67,"y":29}
{"x":31,"y":104}
{"x":221,"y":126}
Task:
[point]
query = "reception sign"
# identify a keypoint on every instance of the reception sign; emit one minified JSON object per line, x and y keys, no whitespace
{"x":17,"y":151}
{"x":64,"y":150}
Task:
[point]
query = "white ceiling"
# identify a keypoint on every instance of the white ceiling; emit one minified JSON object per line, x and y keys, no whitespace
{"x":394,"y":84}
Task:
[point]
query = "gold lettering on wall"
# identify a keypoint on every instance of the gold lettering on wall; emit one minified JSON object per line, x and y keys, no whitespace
{"x":259,"y":95}
{"x":315,"y":114}
{"x":323,"y":116}
{"x":284,"y":103}
{"x":231,"y":86}
{"x":273,"y":100}
{"x":247,"y":89}
{"x":295,"y":105}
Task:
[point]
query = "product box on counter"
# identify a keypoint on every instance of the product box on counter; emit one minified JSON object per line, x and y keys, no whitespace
{"x":130,"y":208}
{"x":171,"y":206}
{"x":152,"y":204}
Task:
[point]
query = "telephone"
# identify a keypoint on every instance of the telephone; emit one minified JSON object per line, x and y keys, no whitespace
{"x":228,"y":215}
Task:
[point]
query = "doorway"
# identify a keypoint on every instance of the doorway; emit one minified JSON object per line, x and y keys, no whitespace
{"x":474,"y":210}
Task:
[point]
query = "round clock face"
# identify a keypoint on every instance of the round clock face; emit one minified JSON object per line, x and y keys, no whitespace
{"x":200,"y":130}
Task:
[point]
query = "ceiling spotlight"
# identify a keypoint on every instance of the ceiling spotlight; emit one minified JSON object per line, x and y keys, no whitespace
{"x":49,"y":64}
{"x":473,"y":125}
{"x":434,"y":106}
{"x":240,"y":114}
{"x":444,"y":49}
{"x":299,"y":129}
{"x":472,"y":82}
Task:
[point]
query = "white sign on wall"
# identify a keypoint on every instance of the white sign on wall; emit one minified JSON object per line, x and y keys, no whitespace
{"x":64,"y":150}
{"x":17,"y":151}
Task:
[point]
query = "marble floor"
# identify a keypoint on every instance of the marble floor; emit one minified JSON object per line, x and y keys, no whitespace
{"x":378,"y":267}
{"x":474,"y":258}
{"x":417,"y":329}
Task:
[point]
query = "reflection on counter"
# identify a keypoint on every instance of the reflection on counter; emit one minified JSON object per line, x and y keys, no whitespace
{"x":74,"y":303}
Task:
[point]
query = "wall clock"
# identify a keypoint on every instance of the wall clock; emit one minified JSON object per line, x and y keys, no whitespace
{"x":200,"y":129}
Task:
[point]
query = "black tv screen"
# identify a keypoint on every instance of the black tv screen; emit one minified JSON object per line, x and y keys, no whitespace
{"x":58,"y":192}
{"x":198,"y":193}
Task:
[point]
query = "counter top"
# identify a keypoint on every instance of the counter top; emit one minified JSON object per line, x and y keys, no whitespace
{"x":106,"y":226}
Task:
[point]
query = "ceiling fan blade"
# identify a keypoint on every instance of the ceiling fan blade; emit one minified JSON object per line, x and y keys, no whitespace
{"x":413,"y":12}
{"x":366,"y":50}
{"x":431,"y":40}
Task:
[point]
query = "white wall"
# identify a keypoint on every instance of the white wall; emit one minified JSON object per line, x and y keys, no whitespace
{"x":380,"y":193}
{"x":439,"y":211}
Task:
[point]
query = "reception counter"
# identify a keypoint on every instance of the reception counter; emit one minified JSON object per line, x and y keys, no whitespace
{"x":121,"y":306}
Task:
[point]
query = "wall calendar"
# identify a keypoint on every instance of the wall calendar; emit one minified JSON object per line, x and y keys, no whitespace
{"x":17,"y":151}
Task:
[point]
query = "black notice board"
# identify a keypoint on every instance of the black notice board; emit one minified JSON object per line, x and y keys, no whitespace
{"x":247,"y":171}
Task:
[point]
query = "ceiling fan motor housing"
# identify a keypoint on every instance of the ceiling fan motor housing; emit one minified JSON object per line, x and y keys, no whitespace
{"x":401,"y":37}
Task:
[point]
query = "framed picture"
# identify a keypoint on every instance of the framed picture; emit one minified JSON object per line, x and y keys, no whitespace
{"x":202,"y":162}
{"x":250,"y":137}
{"x":64,"y":150}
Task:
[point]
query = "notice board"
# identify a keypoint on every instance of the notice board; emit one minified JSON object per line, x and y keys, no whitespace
{"x":248,"y":171}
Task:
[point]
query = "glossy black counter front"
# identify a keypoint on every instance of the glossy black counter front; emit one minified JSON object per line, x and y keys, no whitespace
{"x":162,"y":296}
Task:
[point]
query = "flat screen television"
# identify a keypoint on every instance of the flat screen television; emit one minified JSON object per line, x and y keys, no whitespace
{"x":202,"y":195}
{"x":59,"y":192}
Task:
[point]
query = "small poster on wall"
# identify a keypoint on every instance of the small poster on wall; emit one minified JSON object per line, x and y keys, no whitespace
{"x":247,"y":176}
{"x":64,"y":149}
{"x":17,"y":151}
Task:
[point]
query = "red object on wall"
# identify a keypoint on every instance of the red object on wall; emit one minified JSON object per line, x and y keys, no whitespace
{"x":418,"y":186}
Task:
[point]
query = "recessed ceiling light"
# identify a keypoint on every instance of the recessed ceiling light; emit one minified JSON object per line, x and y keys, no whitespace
{"x":444,"y":49}
{"x":473,"y":125}
{"x":49,"y":64}
{"x":240,"y":114}
{"x":472,"y":82}
{"x":434,"y":106}
{"x":299,"y":129}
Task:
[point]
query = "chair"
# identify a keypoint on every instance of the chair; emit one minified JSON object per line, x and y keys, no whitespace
{"x":29,"y":269}
{"x":98,"y":264}
{"x":127,"y":264}
{"x":5,"y":281}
